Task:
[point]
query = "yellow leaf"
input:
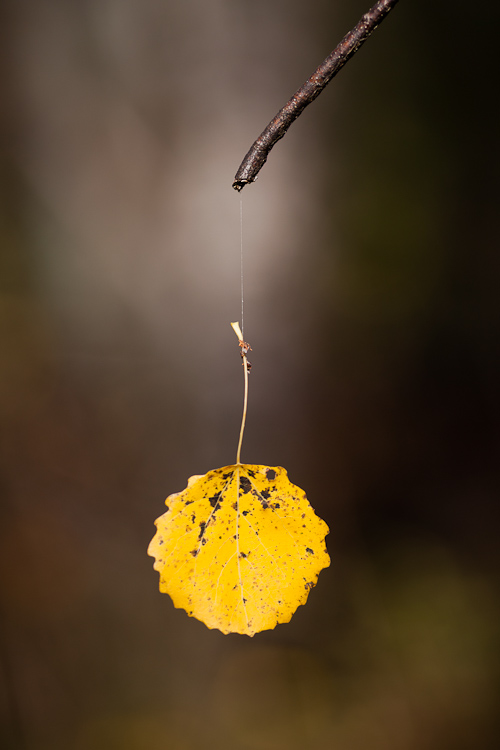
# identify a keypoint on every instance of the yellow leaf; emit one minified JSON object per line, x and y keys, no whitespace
{"x":240,"y":548}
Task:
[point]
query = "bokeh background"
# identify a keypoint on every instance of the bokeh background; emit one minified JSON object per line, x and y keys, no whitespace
{"x":371,"y":256}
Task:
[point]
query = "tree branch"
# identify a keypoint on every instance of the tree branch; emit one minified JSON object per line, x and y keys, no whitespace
{"x":258,"y":153}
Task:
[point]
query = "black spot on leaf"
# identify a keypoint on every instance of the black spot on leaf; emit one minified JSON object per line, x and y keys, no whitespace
{"x":245,"y":484}
{"x":214,"y":499}
{"x":311,"y":551}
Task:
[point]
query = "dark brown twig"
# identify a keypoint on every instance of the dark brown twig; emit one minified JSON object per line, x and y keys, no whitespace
{"x":257,"y":156}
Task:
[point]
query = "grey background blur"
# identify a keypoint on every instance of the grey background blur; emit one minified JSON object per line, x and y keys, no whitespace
{"x":372,"y":278}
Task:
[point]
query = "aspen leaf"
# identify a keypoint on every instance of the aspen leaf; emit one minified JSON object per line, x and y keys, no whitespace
{"x":240,"y":548}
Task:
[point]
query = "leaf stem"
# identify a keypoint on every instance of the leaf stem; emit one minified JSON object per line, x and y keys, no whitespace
{"x":246,"y":366}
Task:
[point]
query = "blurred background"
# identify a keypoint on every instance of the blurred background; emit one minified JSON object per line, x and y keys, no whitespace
{"x":372,"y":276}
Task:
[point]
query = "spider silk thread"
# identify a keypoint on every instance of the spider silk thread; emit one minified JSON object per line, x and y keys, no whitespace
{"x":241,"y":265}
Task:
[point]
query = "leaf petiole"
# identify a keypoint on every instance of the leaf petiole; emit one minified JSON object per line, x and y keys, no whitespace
{"x":246,"y":367}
